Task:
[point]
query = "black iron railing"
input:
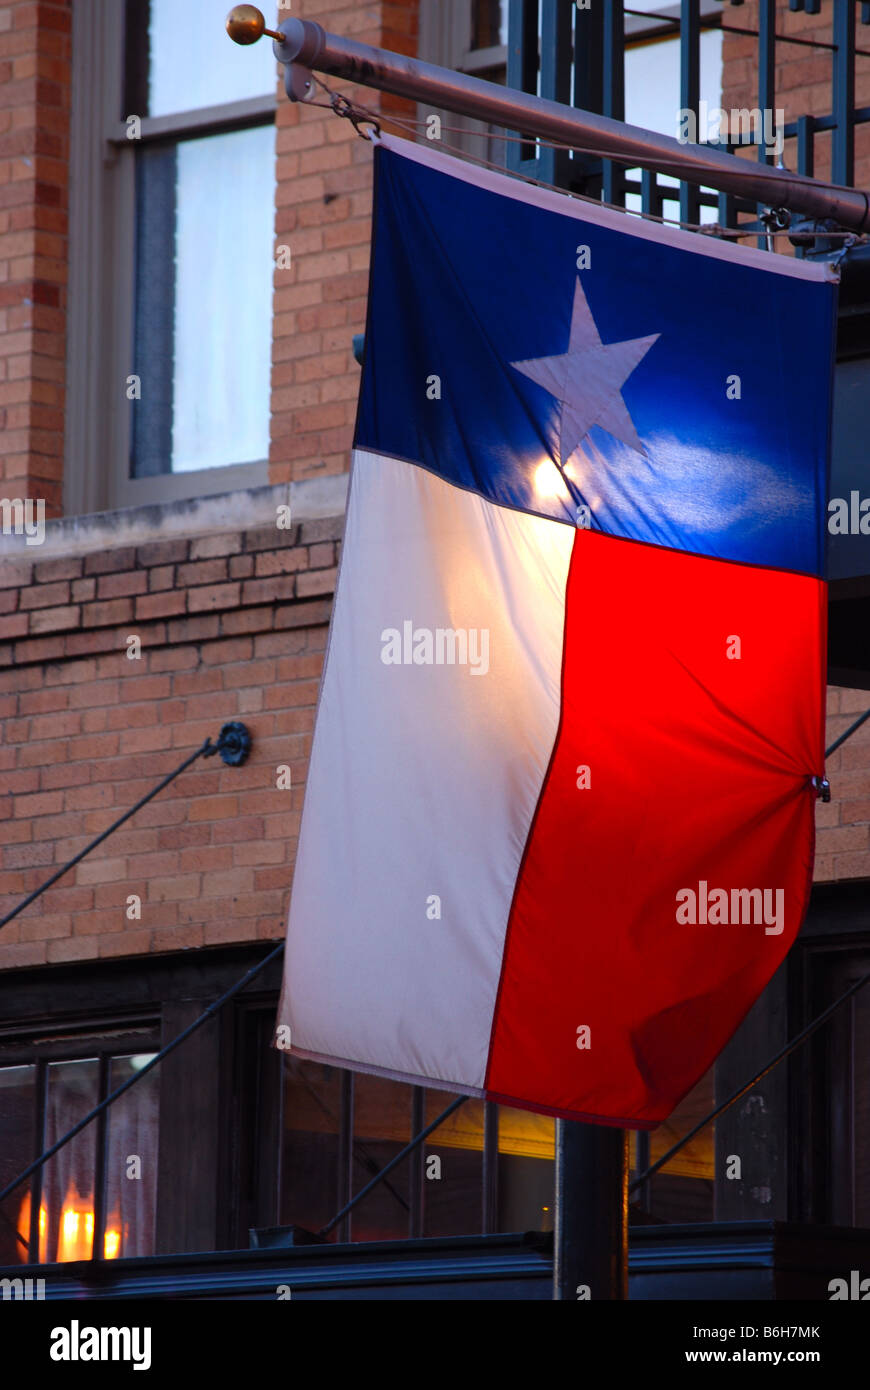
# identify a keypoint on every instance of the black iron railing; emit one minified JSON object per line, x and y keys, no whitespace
{"x":577,"y":56}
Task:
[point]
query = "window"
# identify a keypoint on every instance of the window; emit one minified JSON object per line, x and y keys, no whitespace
{"x":683,"y":1190}
{"x":172,"y":255}
{"x":489,"y":24}
{"x":839,"y":1090}
{"x":652,"y":81}
{"x":340,"y":1129}
{"x":97,"y":1196}
{"x":468,"y":36}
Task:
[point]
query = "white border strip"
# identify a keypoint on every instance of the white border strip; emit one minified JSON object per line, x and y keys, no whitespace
{"x":624,"y":222}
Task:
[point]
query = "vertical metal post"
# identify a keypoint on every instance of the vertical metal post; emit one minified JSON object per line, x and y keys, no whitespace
{"x":614,"y":90}
{"x":415,"y":1166}
{"x":806,"y":126}
{"x":766,"y":80}
{"x":556,"y":39}
{"x":690,"y":91}
{"x":36,"y":1182}
{"x":522,"y":73}
{"x":588,"y":91}
{"x":101,"y":1182}
{"x":644,"y":1158}
{"x":843,"y":153}
{"x":540,"y":67}
{"x":590,"y":1238}
{"x":490,"y":1168}
{"x":345,"y":1153}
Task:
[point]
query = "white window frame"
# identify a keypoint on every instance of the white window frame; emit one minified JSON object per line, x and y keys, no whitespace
{"x":102,"y":273}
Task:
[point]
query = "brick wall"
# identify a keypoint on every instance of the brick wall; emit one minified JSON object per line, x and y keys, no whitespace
{"x":803,"y":85}
{"x":34,"y":155}
{"x":803,"y":76}
{"x":324,"y":216}
{"x":843,"y":825}
{"x":231,"y":627}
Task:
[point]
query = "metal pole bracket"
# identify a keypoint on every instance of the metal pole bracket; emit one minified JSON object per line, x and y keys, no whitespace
{"x":303,"y":44}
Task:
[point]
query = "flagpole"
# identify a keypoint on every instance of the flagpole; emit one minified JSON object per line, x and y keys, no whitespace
{"x":305,"y":48}
{"x":590,"y":1235}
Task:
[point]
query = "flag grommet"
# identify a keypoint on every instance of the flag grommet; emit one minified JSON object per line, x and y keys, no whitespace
{"x":823,"y":788}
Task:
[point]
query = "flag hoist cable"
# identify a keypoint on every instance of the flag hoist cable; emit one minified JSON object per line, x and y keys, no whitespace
{"x":361,"y":115}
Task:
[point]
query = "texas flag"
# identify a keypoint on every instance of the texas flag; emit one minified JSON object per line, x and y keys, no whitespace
{"x":558,"y":824}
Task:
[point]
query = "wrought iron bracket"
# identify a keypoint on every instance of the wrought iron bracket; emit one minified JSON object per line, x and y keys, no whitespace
{"x":233,"y":744}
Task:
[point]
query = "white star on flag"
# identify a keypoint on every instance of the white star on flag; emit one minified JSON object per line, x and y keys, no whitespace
{"x":587,"y":380}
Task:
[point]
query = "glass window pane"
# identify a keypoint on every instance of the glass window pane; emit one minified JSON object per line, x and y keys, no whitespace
{"x":68,"y":1178}
{"x":381,"y":1127}
{"x":489,"y":20}
{"x":861,"y":1107}
{"x":310,"y":1147}
{"x":204,"y":302}
{"x":848,"y":549}
{"x":652,"y":92}
{"x":131,"y":1188}
{"x":526,"y":1170}
{"x":453,"y":1188}
{"x":17,"y":1136}
{"x":193,"y":62}
{"x":683,"y":1191}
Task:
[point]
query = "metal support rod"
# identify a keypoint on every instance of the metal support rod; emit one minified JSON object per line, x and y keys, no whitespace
{"x":232,"y":744}
{"x":759,"y":1075}
{"x":848,"y":733}
{"x":309,"y":46}
{"x":590,"y":1239}
{"x":403,"y":1153}
{"x":37,"y":892}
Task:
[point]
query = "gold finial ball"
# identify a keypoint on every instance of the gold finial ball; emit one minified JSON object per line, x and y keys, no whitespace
{"x":245,"y":24}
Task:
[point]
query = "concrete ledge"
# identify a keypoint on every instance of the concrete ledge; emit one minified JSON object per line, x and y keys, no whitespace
{"x":309,"y":500}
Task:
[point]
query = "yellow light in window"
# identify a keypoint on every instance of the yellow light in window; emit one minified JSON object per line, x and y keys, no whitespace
{"x":112,"y":1244}
{"x":76,"y":1235}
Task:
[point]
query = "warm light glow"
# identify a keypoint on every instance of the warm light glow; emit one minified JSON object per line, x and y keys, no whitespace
{"x":549,"y":481}
{"x":76,"y":1239}
{"x":76,"y":1234}
{"x":24,"y":1229}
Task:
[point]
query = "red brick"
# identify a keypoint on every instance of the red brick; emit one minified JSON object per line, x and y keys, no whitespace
{"x":45,"y":595}
{"x":247,"y":620}
{"x":119,"y":610}
{"x":264,"y":590}
{"x":67,"y":567}
{"x":162,"y":552}
{"x":122,"y":585}
{"x":161,"y":605}
{"x":82,"y":590}
{"x":213,"y":597}
{"x":202,"y":572}
{"x":54,"y":619}
{"x":161,"y":577}
{"x":274,"y":562}
{"x":210,"y":547}
{"x":14,"y":626}
{"x":316,"y":582}
{"x":198,"y":629}
{"x":110,"y":561}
